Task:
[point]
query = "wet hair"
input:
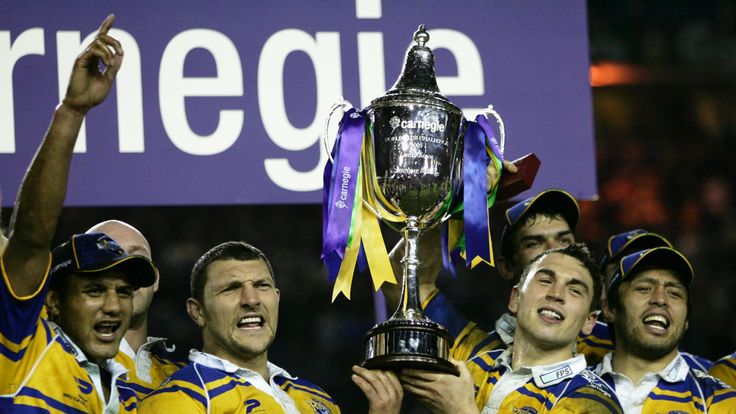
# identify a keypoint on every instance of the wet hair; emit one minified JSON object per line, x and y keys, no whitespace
{"x":236,"y":250}
{"x":508,"y":246}
{"x":581,"y":253}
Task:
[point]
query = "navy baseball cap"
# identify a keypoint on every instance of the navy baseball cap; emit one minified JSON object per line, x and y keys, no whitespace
{"x":97,"y":252}
{"x":631,"y":241}
{"x":665,"y":258}
{"x":552,"y":199}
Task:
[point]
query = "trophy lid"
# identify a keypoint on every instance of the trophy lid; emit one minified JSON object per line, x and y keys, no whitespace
{"x":417,"y":79}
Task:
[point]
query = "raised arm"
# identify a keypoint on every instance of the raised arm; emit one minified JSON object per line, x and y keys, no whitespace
{"x":41,"y":195}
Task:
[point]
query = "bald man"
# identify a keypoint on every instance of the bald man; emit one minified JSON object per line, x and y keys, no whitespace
{"x":148,"y":359}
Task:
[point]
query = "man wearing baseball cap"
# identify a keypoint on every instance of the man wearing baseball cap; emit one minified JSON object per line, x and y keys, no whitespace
{"x":61,"y":363}
{"x":149,"y":359}
{"x":600,"y":342}
{"x":648,"y":304}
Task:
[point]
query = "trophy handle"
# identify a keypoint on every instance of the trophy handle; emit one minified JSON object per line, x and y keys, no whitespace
{"x":341,"y":103}
{"x":501,"y":128}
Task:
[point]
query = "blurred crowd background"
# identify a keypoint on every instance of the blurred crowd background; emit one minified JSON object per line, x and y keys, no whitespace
{"x":664,"y":95}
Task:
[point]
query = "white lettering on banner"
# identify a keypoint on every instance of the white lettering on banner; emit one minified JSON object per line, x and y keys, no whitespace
{"x":469,"y":79}
{"x":129,"y":90}
{"x":174,"y":88}
{"x":322,"y":49}
{"x":324,"y":52}
{"x":368,"y":9}
{"x":30,"y":42}
{"x":372,"y":75}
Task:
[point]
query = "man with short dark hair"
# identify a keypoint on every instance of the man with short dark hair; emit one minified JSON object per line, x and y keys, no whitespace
{"x":234,"y":300}
{"x":63,"y":364}
{"x":544,"y":221}
{"x":648,"y":305}
{"x":555,"y":299}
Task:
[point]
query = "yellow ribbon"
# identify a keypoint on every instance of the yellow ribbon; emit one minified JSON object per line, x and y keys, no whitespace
{"x":375,"y":251}
{"x":345,"y":274}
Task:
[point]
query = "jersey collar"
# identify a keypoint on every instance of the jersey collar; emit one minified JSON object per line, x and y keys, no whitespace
{"x":675,"y":371}
{"x":221,"y":364}
{"x":547,"y":375}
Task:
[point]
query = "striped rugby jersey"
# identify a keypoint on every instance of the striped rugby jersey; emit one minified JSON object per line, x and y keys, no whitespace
{"x":150,"y":366}
{"x":565,"y":387}
{"x":42,"y":370}
{"x":676,"y":389}
{"x":213,"y":385}
{"x":725,"y":369}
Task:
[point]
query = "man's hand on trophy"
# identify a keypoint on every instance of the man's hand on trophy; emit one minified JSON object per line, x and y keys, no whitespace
{"x":492,"y":175}
{"x":90,"y":82}
{"x":442,"y":393}
{"x":381,"y":388}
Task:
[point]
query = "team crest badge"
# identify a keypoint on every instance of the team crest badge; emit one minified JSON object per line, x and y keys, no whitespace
{"x":319,"y":407}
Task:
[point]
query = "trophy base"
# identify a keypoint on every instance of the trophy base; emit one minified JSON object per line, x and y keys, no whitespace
{"x":408,"y":343}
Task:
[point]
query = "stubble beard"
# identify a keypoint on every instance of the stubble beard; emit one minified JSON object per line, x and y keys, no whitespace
{"x":636,"y":343}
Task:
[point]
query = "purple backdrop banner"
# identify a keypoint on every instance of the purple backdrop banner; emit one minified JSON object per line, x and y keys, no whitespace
{"x":223,"y":102}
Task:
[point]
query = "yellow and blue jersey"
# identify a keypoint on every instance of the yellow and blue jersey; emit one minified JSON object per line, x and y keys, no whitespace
{"x":564,"y":387}
{"x":595,"y":345}
{"x":210,"y":386}
{"x":42,"y":371}
{"x":679,"y":388}
{"x":469,"y":338}
{"x":150,"y":366}
{"x":725,"y":369}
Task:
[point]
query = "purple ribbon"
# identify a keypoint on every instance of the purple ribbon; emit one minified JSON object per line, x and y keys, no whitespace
{"x":475,"y":208}
{"x":483,"y":122}
{"x":340,"y":191}
{"x":447,"y":263}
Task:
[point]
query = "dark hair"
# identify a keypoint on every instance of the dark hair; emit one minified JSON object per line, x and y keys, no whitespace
{"x":236,"y":250}
{"x":509,"y":247}
{"x":581,"y":253}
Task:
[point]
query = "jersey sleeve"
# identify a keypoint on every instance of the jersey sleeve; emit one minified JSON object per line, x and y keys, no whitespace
{"x":725,"y":370}
{"x":19,"y":319}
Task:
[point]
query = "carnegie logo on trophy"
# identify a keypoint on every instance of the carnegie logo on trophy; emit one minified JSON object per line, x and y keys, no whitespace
{"x":411,"y":160}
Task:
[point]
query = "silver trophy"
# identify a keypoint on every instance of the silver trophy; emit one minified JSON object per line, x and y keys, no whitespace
{"x":412,"y":167}
{"x":416,"y":159}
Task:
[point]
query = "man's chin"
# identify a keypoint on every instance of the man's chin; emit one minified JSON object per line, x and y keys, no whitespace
{"x":651,"y":349}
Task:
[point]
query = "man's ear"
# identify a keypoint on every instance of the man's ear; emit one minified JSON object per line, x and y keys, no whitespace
{"x":608,"y":312}
{"x":155,"y":284}
{"x":587,"y":328}
{"x":514,"y":300}
{"x":196,"y":311}
{"x":505,"y":268}
{"x":53,"y":304}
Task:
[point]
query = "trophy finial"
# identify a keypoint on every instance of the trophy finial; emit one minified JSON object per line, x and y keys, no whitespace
{"x":421,"y":36}
{"x":418,"y":73}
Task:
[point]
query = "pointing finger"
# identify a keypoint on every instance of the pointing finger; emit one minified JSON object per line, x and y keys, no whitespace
{"x":106,"y":24}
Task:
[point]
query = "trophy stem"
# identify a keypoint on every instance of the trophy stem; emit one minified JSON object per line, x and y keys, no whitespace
{"x":409,"y":306}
